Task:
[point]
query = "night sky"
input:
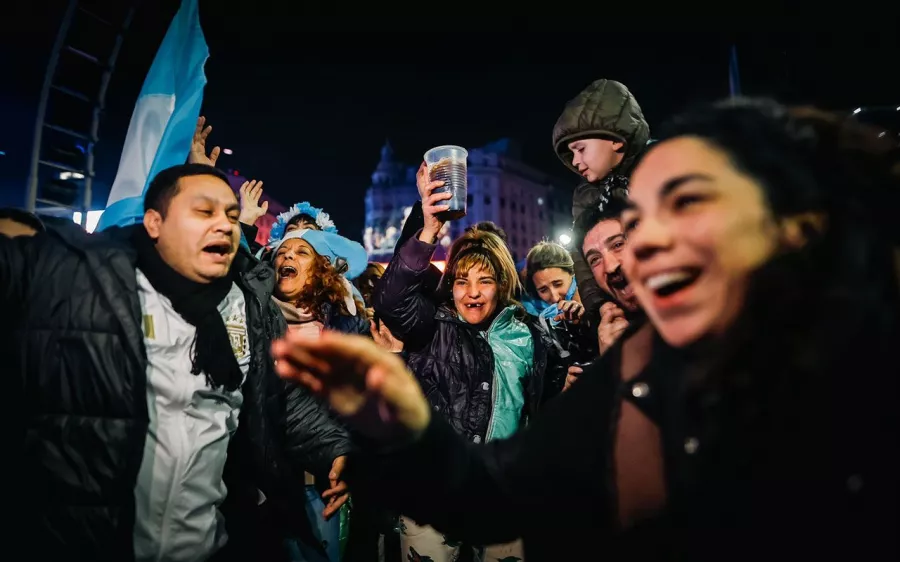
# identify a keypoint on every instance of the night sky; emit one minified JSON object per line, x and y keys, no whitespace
{"x":308,"y":112}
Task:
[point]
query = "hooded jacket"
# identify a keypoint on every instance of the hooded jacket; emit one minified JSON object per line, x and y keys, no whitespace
{"x":605,"y":109}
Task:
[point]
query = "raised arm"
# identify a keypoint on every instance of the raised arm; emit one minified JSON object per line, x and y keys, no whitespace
{"x":404,"y":296}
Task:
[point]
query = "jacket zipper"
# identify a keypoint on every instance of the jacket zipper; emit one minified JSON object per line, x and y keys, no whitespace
{"x":490,"y":428}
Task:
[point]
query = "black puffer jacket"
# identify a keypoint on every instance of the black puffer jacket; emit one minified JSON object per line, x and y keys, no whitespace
{"x":75,"y":380}
{"x":452,"y":361}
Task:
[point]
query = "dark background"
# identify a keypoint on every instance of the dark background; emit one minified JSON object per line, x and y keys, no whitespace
{"x":306,"y":103}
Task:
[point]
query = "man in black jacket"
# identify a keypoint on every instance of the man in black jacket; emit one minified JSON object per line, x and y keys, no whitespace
{"x":138,"y":362}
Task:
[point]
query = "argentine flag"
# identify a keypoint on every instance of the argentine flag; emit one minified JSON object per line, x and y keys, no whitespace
{"x":164,"y":118}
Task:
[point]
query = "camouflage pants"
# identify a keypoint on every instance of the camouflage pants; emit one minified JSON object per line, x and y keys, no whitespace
{"x":421,"y":543}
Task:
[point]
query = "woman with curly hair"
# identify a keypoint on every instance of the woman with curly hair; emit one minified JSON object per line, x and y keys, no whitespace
{"x":314,"y":295}
{"x":311,"y":288}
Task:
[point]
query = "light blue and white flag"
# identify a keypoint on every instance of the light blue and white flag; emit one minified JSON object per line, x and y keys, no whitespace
{"x":165,"y":115}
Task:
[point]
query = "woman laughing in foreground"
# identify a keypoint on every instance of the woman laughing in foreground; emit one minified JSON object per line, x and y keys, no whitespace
{"x":761,"y":246}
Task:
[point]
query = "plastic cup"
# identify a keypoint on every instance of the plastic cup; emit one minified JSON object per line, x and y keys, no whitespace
{"x":448,"y":164}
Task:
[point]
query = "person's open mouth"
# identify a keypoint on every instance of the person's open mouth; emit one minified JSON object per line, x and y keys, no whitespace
{"x":287,"y":271}
{"x":673,"y":281}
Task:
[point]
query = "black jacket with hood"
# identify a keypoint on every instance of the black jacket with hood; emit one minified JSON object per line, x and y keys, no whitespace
{"x":605,"y":109}
{"x":76,"y":385}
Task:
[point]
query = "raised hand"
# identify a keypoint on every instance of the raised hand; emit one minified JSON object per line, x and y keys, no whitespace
{"x":431,"y":204}
{"x":367,"y":385}
{"x":198,"y":145}
{"x":251,"y":210}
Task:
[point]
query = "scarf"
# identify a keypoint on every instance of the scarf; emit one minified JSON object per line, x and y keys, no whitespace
{"x":300,"y":319}
{"x":539,"y":308}
{"x":198,"y":304}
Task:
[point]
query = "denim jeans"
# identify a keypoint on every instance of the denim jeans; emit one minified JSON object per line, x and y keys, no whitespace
{"x":328,"y":533}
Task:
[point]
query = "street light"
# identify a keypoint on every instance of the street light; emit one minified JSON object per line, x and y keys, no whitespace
{"x":565,"y":239}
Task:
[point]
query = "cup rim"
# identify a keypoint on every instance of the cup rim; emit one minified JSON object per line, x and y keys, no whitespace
{"x":446,"y":146}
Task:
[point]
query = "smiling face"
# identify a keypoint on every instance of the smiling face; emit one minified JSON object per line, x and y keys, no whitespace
{"x":475,"y":292}
{"x":293,"y":262}
{"x":698,"y":229}
{"x":603,"y":247}
{"x":595,"y":158}
{"x":198,"y":234}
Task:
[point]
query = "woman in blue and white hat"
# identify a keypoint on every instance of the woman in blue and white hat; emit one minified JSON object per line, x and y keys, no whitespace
{"x":312,"y":288}
{"x":314,"y":294}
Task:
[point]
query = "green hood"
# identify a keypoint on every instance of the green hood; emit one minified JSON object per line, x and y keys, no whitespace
{"x":604,"y":109}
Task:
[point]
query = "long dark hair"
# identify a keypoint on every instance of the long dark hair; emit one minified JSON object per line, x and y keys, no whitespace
{"x":809,"y":161}
{"x":800,"y":393}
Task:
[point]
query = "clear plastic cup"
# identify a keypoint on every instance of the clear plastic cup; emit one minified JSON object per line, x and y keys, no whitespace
{"x":448,"y":164}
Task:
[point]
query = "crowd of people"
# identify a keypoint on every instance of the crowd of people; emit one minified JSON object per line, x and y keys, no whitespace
{"x":707,"y":374}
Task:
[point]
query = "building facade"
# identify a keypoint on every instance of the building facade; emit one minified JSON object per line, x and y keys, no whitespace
{"x":528,"y":204}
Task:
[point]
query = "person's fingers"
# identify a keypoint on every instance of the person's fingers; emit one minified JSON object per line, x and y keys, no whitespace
{"x":606,"y":311}
{"x":335,"y":506}
{"x":287,"y":371}
{"x":336,"y":490}
{"x":198,"y":129}
{"x":434,"y":198}
{"x":299,"y":357}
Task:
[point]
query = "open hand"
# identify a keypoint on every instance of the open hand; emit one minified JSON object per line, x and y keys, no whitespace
{"x":384,"y":338}
{"x":369,"y":386}
{"x":198,"y":145}
{"x":251,"y":210}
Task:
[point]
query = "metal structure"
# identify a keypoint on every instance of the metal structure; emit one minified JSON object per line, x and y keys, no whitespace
{"x":72,"y":101}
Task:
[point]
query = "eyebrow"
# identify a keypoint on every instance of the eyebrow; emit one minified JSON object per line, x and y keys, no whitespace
{"x":613,"y":238}
{"x":677,"y":182}
{"x":671,"y":185}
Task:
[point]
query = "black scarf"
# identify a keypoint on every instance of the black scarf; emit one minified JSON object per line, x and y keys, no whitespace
{"x":198,"y":304}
